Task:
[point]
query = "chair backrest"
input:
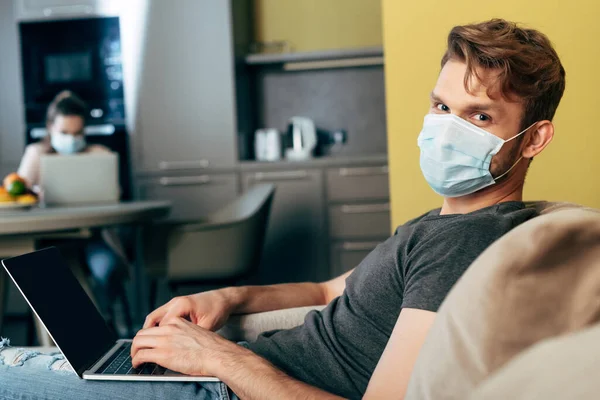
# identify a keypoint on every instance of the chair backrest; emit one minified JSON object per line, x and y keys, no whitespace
{"x":228,"y":245}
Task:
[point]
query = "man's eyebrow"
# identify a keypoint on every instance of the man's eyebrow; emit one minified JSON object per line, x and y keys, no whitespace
{"x":435,"y":97}
{"x":469,"y":107}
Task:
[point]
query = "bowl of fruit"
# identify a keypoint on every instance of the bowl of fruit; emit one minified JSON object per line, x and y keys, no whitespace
{"x":14,"y":194}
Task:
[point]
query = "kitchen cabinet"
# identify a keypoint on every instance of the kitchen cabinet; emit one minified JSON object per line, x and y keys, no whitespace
{"x":358,"y":183}
{"x":186,"y":112}
{"x":193,"y":197}
{"x":359,"y":213}
{"x":296,"y":244}
{"x":359,"y":220}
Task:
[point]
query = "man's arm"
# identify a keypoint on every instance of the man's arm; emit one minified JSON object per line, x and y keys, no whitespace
{"x":252,"y":299}
{"x":185,"y":347}
{"x":391,"y":376}
{"x":211,"y":310}
{"x":253,"y":378}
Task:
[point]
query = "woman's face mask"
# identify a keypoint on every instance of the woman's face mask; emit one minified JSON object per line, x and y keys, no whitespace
{"x":66,"y":134}
{"x":65,"y":143}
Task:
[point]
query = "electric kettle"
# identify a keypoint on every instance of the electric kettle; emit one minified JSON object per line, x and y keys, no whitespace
{"x":301,"y":139}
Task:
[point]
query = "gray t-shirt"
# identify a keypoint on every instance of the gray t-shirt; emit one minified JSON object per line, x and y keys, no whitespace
{"x":338,"y":348}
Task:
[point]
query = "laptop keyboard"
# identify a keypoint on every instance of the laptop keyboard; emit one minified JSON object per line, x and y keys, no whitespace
{"x":120,"y":364}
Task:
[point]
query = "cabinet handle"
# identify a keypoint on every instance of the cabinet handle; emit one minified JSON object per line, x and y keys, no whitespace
{"x":185,"y":180}
{"x":359,"y":246}
{"x":366,"y":208}
{"x":280,"y":176}
{"x":176,"y":165}
{"x":364,"y":171}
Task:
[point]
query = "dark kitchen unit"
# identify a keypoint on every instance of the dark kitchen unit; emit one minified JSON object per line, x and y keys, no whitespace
{"x":83,"y":55}
{"x":200,"y":103}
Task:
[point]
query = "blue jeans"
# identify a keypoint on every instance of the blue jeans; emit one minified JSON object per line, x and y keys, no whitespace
{"x":30,"y":375}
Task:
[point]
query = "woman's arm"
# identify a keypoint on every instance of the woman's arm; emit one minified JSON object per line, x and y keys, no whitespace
{"x":29,"y":169}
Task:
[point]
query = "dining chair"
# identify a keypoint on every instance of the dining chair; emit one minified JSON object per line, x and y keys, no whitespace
{"x":221,"y":249}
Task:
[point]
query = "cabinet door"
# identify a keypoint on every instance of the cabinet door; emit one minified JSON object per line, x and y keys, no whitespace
{"x":186,"y":114}
{"x":347,"y":255}
{"x":296,"y":243}
{"x":192,"y":197}
{"x":358,"y":183}
{"x":359,"y":220}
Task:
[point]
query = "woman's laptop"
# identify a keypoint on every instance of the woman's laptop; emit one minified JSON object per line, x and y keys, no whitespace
{"x":74,"y":323}
{"x":80,"y":178}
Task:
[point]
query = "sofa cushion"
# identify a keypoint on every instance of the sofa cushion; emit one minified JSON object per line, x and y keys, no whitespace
{"x":554,"y":369}
{"x":540,"y":280}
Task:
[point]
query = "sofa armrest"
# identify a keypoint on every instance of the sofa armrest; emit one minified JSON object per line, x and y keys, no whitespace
{"x":248,"y":327}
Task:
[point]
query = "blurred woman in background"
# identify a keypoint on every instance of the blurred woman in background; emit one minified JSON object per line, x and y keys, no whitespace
{"x":65,"y":123}
{"x":104,"y":254}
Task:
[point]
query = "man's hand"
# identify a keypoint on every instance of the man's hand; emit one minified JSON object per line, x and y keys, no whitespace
{"x":209,"y":310}
{"x":183,"y":346}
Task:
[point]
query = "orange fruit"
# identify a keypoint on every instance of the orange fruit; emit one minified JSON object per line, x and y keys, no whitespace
{"x":11,"y":178}
{"x":5,"y":197}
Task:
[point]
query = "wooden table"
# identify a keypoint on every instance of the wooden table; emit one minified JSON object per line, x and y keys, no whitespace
{"x":19,"y":231}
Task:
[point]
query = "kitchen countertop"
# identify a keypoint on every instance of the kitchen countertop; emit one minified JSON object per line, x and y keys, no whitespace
{"x":320,"y":162}
{"x":283,"y":165}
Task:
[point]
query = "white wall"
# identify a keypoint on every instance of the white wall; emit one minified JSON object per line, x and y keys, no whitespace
{"x":12,"y":118}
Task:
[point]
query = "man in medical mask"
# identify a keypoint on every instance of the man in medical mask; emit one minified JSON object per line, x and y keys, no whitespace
{"x":490,"y":114}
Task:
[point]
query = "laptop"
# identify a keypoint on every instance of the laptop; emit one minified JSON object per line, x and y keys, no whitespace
{"x":80,"y":178}
{"x":74,"y":323}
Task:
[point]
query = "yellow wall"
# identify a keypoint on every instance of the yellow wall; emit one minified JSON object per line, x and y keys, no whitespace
{"x":414,"y":40}
{"x":319,"y":24}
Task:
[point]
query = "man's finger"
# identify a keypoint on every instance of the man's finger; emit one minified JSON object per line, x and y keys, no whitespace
{"x":155,"y":316}
{"x":148,"y":356}
{"x":157,"y":331}
{"x":146,"y":342}
{"x":176,"y":312}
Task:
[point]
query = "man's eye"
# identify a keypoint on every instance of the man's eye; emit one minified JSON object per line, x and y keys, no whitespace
{"x":442,"y":107}
{"x":482,"y":117}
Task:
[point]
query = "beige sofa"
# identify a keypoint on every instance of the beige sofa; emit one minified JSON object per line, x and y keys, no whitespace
{"x":522,"y":323}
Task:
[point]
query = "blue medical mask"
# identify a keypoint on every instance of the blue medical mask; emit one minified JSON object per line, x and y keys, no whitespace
{"x":456,"y":155}
{"x":64,"y":143}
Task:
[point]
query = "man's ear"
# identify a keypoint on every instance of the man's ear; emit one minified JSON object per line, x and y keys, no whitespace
{"x":540,"y":137}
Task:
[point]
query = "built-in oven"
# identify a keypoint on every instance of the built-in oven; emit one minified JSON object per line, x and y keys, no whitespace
{"x":82,"y":55}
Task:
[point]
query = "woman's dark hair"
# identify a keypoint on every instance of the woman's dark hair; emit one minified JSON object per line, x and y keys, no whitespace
{"x":66,"y":103}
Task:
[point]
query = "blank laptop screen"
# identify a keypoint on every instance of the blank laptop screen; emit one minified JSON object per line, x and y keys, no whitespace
{"x":52,"y":290}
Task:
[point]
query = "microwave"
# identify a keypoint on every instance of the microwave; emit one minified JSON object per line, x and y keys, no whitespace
{"x":81,"y":55}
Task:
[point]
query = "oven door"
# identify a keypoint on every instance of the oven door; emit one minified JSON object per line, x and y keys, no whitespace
{"x":81,"y":55}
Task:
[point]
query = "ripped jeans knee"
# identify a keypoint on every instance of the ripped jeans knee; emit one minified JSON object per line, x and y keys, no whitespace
{"x":18,"y":357}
